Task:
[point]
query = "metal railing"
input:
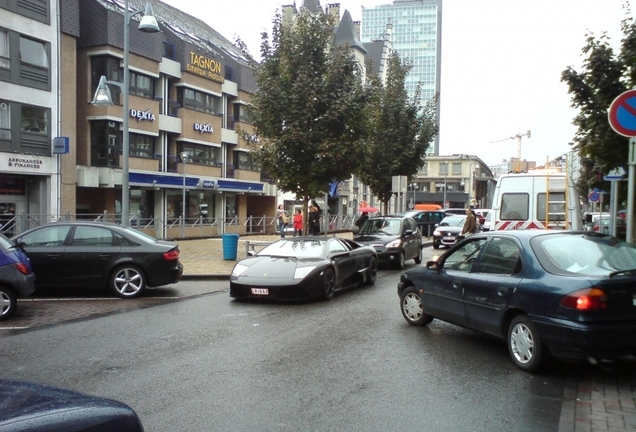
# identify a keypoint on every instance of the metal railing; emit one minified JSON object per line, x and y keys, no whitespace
{"x":167,"y":228}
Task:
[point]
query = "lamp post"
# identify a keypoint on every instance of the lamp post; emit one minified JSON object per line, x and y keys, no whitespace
{"x":184,"y":160}
{"x":148,"y":24}
{"x":414,"y":187}
{"x":445,"y":177}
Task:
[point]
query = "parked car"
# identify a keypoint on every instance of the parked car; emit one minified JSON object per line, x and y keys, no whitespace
{"x":426,"y":220}
{"x":446,"y":232}
{"x":16,"y":277}
{"x":27,"y":407}
{"x":601,"y":224}
{"x":396,"y":239}
{"x":528,"y":288}
{"x":88,"y":254}
{"x":303,"y":267}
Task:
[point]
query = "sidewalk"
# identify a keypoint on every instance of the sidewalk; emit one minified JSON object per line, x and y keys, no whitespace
{"x":602,"y":401}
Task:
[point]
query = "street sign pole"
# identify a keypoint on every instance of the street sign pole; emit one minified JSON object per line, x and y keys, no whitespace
{"x":630,"y":195}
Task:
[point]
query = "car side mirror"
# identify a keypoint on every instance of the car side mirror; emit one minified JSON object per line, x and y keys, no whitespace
{"x":433,"y":265}
{"x":408,"y":232}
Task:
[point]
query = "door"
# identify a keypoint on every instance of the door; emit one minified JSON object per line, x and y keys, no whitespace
{"x":344,"y":261}
{"x":45,"y":248}
{"x":88,"y":256}
{"x":489,"y":287}
{"x":444,"y":296}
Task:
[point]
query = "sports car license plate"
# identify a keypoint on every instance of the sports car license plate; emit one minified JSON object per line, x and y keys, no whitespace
{"x":260,"y":291}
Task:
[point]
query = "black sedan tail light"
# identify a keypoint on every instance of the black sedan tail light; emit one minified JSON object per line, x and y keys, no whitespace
{"x":585,"y":299}
{"x":171,"y":255}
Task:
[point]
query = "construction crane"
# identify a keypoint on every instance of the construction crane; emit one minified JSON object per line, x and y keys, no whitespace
{"x":518,"y":137}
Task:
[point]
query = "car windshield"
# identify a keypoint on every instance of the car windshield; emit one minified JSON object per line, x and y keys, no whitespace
{"x":594,"y":256}
{"x":294,"y":248}
{"x":5,"y":242}
{"x":381,"y":226}
{"x":453,"y":221}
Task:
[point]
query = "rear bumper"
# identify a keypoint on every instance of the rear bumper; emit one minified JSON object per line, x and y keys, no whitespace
{"x":166,"y":277}
{"x":575,"y":340}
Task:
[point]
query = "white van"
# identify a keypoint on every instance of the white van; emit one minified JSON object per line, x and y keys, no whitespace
{"x":519,"y":202}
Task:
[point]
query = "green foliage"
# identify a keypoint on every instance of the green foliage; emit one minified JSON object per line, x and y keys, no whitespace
{"x":400,"y":130}
{"x":604,"y":76}
{"x":309,"y":109}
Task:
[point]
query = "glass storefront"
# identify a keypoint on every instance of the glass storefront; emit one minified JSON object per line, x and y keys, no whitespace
{"x":199,"y":204}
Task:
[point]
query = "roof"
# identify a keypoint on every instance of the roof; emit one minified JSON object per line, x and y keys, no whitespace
{"x":346,"y":33}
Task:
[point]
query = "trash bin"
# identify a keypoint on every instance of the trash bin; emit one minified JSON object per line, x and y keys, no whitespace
{"x":230,"y":246}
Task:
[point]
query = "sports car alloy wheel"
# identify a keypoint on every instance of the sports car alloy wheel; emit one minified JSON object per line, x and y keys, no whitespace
{"x":8,"y":303}
{"x":372,"y":271}
{"x":524,"y":344}
{"x":412,"y":310}
{"x":127,"y":282}
{"x":328,"y":284}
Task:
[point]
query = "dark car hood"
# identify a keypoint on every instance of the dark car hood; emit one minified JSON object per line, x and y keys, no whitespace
{"x":370,"y":239}
{"x":275,"y":267}
{"x":28,"y":406}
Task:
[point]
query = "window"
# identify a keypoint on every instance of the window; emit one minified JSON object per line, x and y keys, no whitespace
{"x":556,"y":206}
{"x":200,"y":101}
{"x":457,"y":168}
{"x":33,"y":53}
{"x":108,"y":67}
{"x":514,"y":206}
{"x":245,"y":161}
{"x":92,"y":236}
{"x":443,"y":168}
{"x":5,"y":61}
{"x":141,"y":85}
{"x":105,"y":144}
{"x":5,"y":120}
{"x":501,"y":256}
{"x":141,"y":145}
{"x":168,"y":50}
{"x":50,"y":236}
{"x":35,"y":120}
{"x":199,"y":153}
{"x":241,"y":114}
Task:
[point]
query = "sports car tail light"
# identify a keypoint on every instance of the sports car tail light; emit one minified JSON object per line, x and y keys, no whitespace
{"x":22,"y":268}
{"x":585,"y":299}
{"x":171,"y":255}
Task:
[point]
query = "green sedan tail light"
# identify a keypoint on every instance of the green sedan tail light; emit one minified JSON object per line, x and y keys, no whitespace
{"x":585,"y":299}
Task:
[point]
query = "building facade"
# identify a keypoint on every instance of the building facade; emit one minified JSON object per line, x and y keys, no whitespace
{"x":188,"y":129}
{"x":416,"y":36}
{"x":29,"y":110}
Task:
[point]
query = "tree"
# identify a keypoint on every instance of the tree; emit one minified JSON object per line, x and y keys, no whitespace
{"x":604,"y":76}
{"x":309,"y":110}
{"x":400,"y":130}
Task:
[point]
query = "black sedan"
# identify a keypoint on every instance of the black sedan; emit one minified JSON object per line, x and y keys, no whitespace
{"x":446,"y":232}
{"x":304,"y":267}
{"x":27,"y":407}
{"x":396,"y":239}
{"x":570,"y":294}
{"x":87,"y":254}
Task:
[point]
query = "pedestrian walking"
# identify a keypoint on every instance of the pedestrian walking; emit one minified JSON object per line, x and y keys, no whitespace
{"x":314,"y":221}
{"x":298,"y":223}
{"x":470,"y":224}
{"x":282,"y":219}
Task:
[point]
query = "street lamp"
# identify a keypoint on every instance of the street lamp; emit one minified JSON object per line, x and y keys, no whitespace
{"x":184,"y":160}
{"x":148,"y":24}
{"x":414,"y":187}
{"x":445,"y":176}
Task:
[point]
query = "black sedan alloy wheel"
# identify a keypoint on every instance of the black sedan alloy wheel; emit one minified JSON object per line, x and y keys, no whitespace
{"x":127,"y":282}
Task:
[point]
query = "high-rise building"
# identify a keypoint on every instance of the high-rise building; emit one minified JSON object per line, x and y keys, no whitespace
{"x":416,"y":36}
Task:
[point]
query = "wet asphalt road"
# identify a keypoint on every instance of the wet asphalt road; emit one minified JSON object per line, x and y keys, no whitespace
{"x":207,"y":362}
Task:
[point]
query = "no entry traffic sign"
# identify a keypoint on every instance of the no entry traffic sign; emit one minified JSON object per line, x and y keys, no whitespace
{"x":622,"y":114}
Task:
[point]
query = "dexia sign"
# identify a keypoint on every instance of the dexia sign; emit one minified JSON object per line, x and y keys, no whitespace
{"x":203,"y":127}
{"x":142,"y":115}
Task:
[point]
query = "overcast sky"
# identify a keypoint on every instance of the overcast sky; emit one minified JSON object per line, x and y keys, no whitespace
{"x":501,"y":65}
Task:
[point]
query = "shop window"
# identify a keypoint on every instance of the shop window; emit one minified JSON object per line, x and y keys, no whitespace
{"x":5,"y":120}
{"x":141,"y":145}
{"x":35,"y":120}
{"x":108,"y":67}
{"x":142,"y":85}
